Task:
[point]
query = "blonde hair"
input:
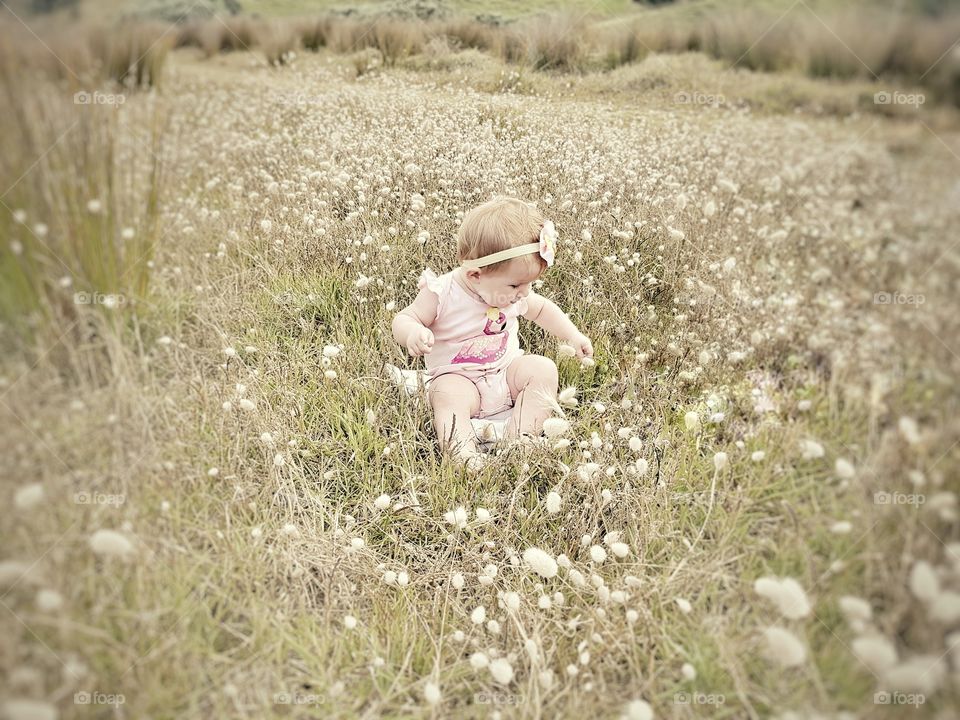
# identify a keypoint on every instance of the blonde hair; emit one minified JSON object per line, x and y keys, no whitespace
{"x":501,"y":224}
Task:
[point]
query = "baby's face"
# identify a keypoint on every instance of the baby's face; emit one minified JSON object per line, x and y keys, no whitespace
{"x":504,"y":286}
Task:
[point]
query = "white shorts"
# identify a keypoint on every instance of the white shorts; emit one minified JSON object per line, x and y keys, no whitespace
{"x":494,"y":393}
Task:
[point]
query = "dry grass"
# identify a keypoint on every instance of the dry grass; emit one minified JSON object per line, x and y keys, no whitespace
{"x":314,"y":33}
{"x":84,"y":176}
{"x":397,"y":39}
{"x":556,"y":42}
{"x":234,"y":424}
{"x":845,"y":43}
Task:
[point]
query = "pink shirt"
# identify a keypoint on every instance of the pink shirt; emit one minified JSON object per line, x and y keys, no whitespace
{"x":470,"y":337}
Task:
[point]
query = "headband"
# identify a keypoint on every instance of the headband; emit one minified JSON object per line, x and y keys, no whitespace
{"x":546,"y":247}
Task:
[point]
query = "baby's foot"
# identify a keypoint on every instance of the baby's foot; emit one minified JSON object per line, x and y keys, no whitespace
{"x":473,"y":460}
{"x":529,"y":440}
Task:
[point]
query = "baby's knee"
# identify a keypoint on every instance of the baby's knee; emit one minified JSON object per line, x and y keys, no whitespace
{"x":456,"y":394}
{"x":545,"y":371}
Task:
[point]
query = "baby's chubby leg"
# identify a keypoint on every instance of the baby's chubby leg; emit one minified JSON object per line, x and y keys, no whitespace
{"x":531,"y":378}
{"x":455,"y":399}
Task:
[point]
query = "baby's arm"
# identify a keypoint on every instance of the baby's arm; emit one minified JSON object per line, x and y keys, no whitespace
{"x":548,"y":315}
{"x":411,"y":326}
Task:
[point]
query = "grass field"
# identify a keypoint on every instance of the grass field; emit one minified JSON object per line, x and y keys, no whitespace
{"x":220,"y":506}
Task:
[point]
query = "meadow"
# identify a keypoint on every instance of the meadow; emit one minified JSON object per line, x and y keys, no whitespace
{"x":219,"y":505}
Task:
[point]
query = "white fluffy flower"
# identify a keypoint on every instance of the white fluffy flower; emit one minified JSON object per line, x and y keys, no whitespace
{"x":875,"y":651}
{"x":553,"y":502}
{"x":783,"y":647}
{"x":49,"y":601}
{"x":692,"y":421}
{"x":945,"y":608}
{"x":786,"y":594}
{"x":23,"y":709}
{"x":431,"y":693}
{"x":924,"y":583}
{"x":844,"y":469}
{"x":855,"y":608}
{"x":568,"y":396}
{"x":638,"y":710}
{"x":720,"y":461}
{"x":921,"y":674}
{"x":540,"y":562}
{"x":811,"y":449}
{"x":909,"y":430}
{"x":111,"y":543}
{"x":28,"y":496}
{"x":502,"y":671}
{"x":479,"y":660}
{"x":456,"y":517}
{"x":555,"y":427}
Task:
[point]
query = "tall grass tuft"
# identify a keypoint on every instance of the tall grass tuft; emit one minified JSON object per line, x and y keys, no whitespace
{"x":621,"y":45}
{"x":510,"y":45}
{"x":237,"y":33}
{"x":466,"y":33}
{"x":350,"y":36}
{"x":133,"y":54}
{"x":557,"y":43}
{"x":81,"y":186}
{"x":396,"y":39}
{"x":315,"y":33}
{"x":278,"y":40}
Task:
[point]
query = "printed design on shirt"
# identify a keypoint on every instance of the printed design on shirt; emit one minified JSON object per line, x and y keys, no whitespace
{"x":496,"y":321}
{"x":490,"y":346}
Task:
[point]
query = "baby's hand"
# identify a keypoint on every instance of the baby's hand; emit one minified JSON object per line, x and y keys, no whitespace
{"x":420,"y":342}
{"x":582,"y":345}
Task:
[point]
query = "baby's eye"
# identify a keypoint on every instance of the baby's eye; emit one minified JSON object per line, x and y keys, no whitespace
{"x":514,"y":287}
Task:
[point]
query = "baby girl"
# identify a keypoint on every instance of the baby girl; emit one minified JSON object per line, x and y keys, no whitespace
{"x":465,"y":324}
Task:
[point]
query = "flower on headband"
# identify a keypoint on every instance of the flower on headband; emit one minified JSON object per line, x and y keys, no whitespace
{"x":548,"y":242}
